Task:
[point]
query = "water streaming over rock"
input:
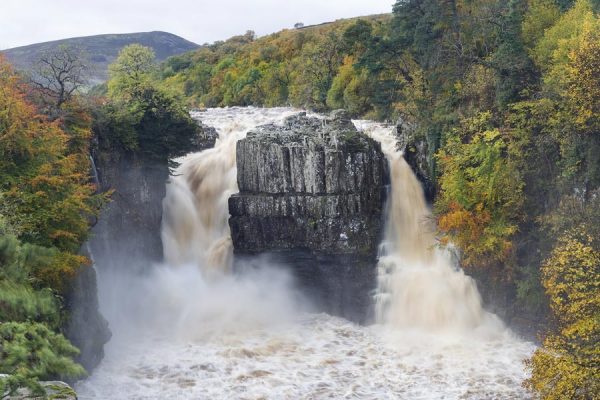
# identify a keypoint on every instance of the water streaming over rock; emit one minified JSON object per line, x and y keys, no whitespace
{"x":419,"y":284}
{"x":195,"y":227}
{"x":190,"y":334}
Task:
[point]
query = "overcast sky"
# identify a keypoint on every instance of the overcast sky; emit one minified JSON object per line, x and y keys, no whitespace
{"x":25,"y":22}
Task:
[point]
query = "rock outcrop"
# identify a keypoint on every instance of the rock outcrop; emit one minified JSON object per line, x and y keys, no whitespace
{"x":125,"y":239}
{"x":417,"y":154}
{"x":53,"y":390}
{"x":206,"y":138}
{"x":311,"y":194}
{"x":128,"y":229}
{"x":126,"y":236}
{"x":86,"y":328}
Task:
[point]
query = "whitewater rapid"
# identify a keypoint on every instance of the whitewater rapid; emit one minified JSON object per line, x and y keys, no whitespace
{"x":184,"y":334}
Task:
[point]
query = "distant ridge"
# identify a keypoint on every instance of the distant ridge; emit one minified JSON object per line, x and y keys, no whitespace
{"x":102,"y":49}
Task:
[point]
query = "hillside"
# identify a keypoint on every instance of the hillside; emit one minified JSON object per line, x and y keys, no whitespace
{"x":292,"y":66}
{"x":102,"y":49}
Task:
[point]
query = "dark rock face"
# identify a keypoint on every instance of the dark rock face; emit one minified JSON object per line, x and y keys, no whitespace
{"x":417,"y":155}
{"x":87,"y":329}
{"x":311,"y":195}
{"x":125,"y":240}
{"x":126,"y":236}
{"x":128,"y":230}
{"x":206,"y":137}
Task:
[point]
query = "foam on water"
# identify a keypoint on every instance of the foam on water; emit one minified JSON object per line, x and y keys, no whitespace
{"x":317,"y":357}
{"x":180,"y":332}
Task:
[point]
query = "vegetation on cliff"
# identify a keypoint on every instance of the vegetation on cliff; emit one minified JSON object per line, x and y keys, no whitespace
{"x":48,"y":200}
{"x":137,"y":116}
{"x":45,"y":204}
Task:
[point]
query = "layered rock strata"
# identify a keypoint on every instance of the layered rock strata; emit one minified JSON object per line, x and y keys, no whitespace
{"x":311,"y":194}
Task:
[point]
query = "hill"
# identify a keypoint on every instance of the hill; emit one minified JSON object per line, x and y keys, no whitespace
{"x":102,"y":49}
{"x":293,"y":66}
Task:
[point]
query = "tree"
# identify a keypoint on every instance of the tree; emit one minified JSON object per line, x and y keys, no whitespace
{"x":59,"y":74}
{"x":32,"y":352}
{"x":142,"y":117}
{"x":540,"y":15}
{"x":480,"y":193}
{"x":583,"y":78}
{"x":320,"y":62}
{"x":568,"y":364}
{"x":131,"y":70}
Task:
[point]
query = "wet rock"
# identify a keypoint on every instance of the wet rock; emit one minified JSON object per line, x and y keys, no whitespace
{"x":311,"y":195}
{"x":417,"y":155}
{"x":86,"y":328}
{"x":128,"y":230}
{"x":206,"y":137}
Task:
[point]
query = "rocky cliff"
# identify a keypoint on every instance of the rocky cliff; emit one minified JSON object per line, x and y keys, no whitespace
{"x":125,"y":240}
{"x":128,"y":229}
{"x":86,"y":328}
{"x":311,"y":194}
{"x":418,"y":155}
{"x":126,"y":236}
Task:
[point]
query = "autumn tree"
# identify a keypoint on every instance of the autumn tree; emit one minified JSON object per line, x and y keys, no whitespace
{"x":480,"y":193}
{"x":568,"y":364}
{"x":45,"y":201}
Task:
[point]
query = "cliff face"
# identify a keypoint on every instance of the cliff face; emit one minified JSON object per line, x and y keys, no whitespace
{"x":86,"y":329}
{"x":311,"y":195}
{"x":125,"y":240}
{"x":128,"y":229}
{"x":417,"y":155}
{"x":126,"y":236}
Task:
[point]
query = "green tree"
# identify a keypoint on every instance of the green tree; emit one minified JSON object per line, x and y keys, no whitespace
{"x":142,"y":117}
{"x":31,"y":352}
{"x":131,"y":70}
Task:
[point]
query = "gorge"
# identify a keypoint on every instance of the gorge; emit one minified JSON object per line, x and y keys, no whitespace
{"x":274,"y":241}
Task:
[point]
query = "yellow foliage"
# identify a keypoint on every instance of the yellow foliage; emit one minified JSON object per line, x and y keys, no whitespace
{"x":583,"y":76}
{"x":568,"y":365}
{"x":480,"y":193}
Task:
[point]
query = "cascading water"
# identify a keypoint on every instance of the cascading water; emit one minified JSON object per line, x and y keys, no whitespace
{"x":195,"y":227}
{"x":419,"y":285}
{"x":196,"y":331}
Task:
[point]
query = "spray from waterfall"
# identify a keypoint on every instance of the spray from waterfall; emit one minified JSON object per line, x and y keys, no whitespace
{"x":419,"y":285}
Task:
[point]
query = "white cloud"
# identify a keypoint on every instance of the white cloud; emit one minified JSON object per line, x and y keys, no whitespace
{"x":24,"y":22}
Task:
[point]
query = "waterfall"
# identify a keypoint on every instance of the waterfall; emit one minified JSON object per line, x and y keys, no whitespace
{"x":195,"y":211}
{"x":419,"y":285}
{"x":180,"y":333}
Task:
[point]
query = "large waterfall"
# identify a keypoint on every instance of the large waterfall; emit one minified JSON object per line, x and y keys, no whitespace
{"x":419,"y":284}
{"x":192,"y":329}
{"x":195,"y":228}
